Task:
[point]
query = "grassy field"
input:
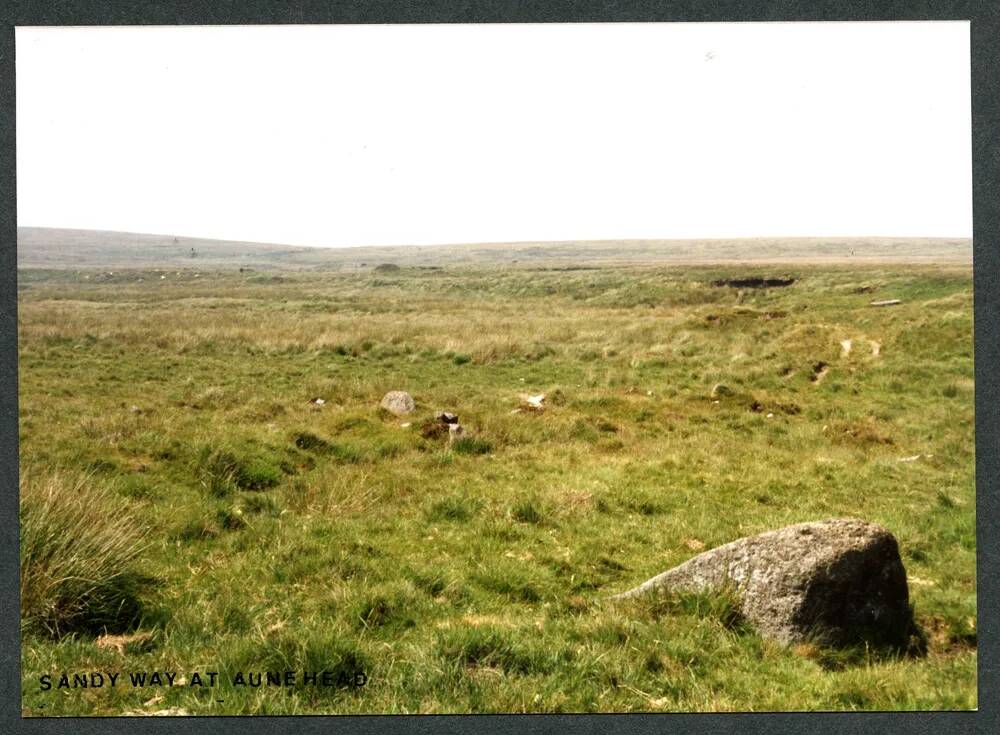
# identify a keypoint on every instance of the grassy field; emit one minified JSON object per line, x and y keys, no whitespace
{"x":276,"y":534}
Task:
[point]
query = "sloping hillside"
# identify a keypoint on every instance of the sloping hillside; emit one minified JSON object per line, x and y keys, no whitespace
{"x":61,"y":248}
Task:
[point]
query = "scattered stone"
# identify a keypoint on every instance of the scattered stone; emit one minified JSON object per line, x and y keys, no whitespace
{"x":398,"y":402}
{"x":840,"y":580}
{"x":819,"y":370}
{"x":317,"y":401}
{"x":914,"y":458}
{"x":876,"y":348}
{"x":770,"y":416}
{"x":135,"y":409}
{"x":533,"y":403}
{"x":455,"y":432}
{"x":443,"y":423}
{"x":886,"y":302}
{"x":719,"y":390}
{"x":405,"y":425}
{"x":845,"y":347}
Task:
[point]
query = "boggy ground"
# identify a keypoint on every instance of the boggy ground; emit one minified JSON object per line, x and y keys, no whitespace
{"x":281,"y":534}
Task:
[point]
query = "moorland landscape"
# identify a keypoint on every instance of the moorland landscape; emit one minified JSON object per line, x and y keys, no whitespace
{"x":210,"y":482}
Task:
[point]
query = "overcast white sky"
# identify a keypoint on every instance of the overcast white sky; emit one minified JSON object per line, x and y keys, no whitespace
{"x":365,"y":135}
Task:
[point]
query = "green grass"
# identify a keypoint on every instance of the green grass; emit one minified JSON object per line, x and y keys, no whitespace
{"x":473,"y":577}
{"x":79,"y":548}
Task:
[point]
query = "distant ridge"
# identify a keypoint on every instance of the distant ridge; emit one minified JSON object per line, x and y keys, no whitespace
{"x":41,"y":247}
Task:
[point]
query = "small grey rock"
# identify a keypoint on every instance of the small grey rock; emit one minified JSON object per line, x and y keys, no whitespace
{"x":398,"y":402}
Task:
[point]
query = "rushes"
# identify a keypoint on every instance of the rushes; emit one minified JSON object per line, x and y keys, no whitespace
{"x":78,"y":555}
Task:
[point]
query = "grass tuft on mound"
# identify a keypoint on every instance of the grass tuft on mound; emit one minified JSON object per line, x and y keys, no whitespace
{"x":78,"y":557}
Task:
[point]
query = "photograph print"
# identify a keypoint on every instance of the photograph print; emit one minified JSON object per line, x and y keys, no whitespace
{"x":495,"y":368}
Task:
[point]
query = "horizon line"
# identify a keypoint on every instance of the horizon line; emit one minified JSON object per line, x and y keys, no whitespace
{"x":482,"y":243}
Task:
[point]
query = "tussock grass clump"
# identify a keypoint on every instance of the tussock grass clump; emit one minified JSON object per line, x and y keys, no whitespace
{"x":224,"y":470}
{"x":195,"y":528}
{"x":310,"y":442}
{"x":485,"y":648}
{"x":394,"y":608}
{"x":513,"y":580}
{"x":78,"y":557}
{"x":722,"y":608}
{"x":453,"y":508}
{"x":231,"y":519}
{"x":528,"y":510}
{"x":472,"y":445}
{"x":260,"y":505}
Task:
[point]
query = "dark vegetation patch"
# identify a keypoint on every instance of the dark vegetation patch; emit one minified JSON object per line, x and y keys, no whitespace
{"x":472,"y":445}
{"x":487,"y":648}
{"x":311,"y":443}
{"x":739,"y":314}
{"x":754,"y":282}
{"x":392,"y":609}
{"x":528,"y":510}
{"x":862,"y":432}
{"x":433,"y":430}
{"x":266,"y":279}
{"x":949,"y":635}
{"x":344,"y":453}
{"x":819,"y":369}
{"x":231,"y":519}
{"x":791,"y":409}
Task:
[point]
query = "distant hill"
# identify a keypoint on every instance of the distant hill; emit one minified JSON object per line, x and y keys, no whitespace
{"x":43,"y":247}
{"x":39,"y":247}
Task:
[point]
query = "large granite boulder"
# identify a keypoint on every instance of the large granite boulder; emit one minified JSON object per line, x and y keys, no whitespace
{"x":398,"y":402}
{"x":838,"y":581}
